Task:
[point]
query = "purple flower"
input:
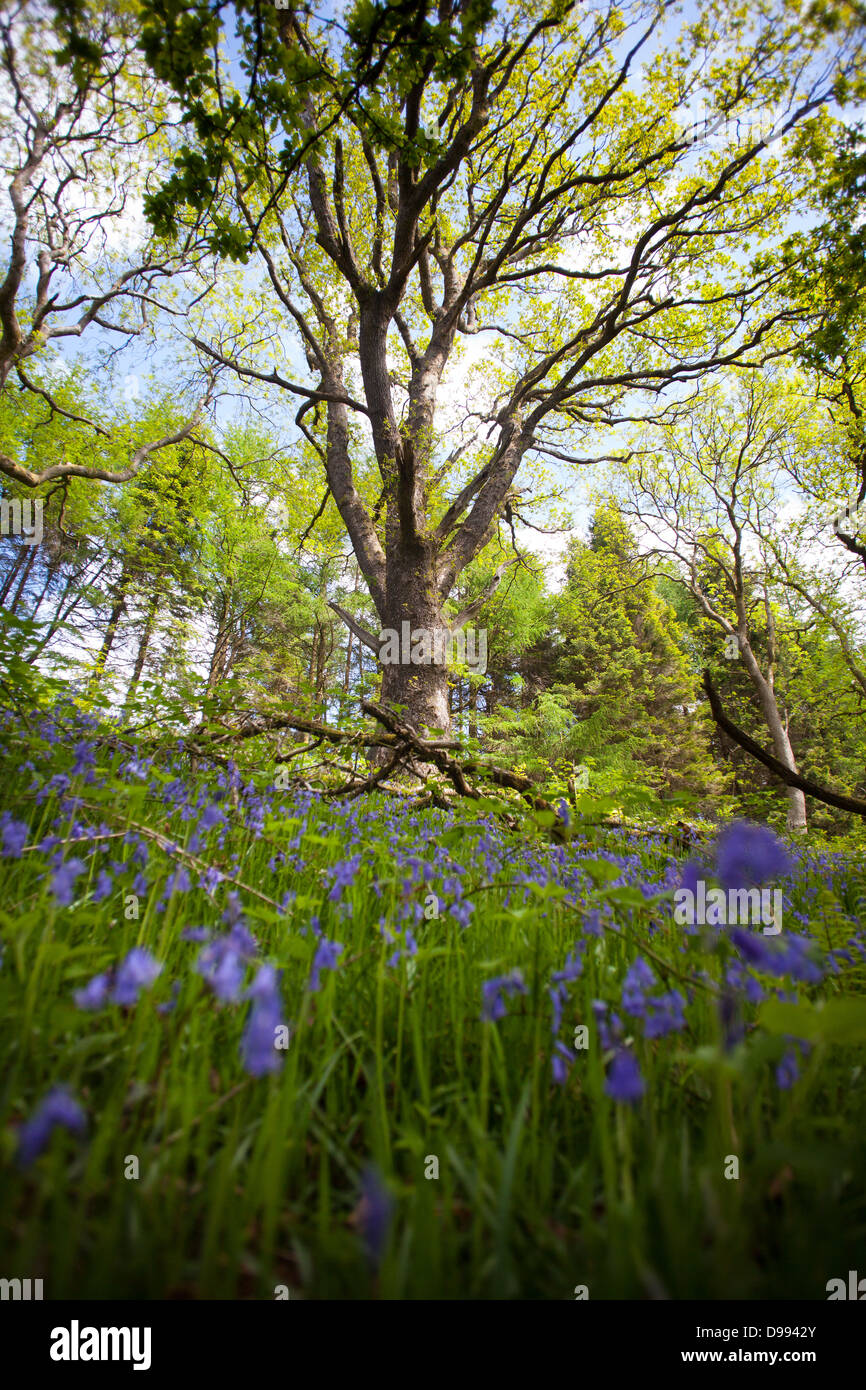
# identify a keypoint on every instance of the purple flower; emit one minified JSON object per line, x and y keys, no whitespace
{"x":344,"y":876}
{"x":178,"y":882}
{"x":692,"y":872}
{"x":493,"y":1004}
{"x":755,"y":950}
{"x":195,"y":934}
{"x":259,"y":1051}
{"x":104,"y":886}
{"x":211,"y":817}
{"x":561,"y":1061}
{"x":731,"y":1017}
{"x":14,"y":834}
{"x":168,"y":1005}
{"x":409,"y":948}
{"x":592,"y":923}
{"x":136,"y":972}
{"x":666,"y":1014}
{"x":799,"y":960}
{"x":84,"y":758}
{"x":63,"y":880}
{"x":95,"y":994}
{"x":624,"y":1082}
{"x":611,"y":1032}
{"x":223,"y":962}
{"x":560,"y":979}
{"x":638,"y":979}
{"x":57,"y":1109}
{"x":210,"y":880}
{"x":788,"y":1070}
{"x":324,"y":959}
{"x":374,"y":1214}
{"x":748,"y":855}
{"x":234,"y":912}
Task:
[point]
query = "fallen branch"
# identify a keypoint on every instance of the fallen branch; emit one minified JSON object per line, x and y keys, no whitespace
{"x":792,"y":779}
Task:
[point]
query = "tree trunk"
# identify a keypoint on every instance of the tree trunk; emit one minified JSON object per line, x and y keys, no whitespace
{"x":414,"y":613}
{"x":143,"y":645}
{"x":116,"y":614}
{"x":12,"y":573}
{"x":796,"y":820}
{"x":19,"y":593}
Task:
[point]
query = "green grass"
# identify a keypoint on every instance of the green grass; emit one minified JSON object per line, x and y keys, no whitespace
{"x":250,"y":1183}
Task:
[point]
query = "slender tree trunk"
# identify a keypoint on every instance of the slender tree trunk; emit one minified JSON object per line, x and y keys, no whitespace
{"x":117,"y":610}
{"x":320,"y":667}
{"x":12,"y":573}
{"x":347,"y":676}
{"x":19,"y":592}
{"x":796,"y":819}
{"x":41,"y":599}
{"x":143,"y":645}
{"x":473,"y":711}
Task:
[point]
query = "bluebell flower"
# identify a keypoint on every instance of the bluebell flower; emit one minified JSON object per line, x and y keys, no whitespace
{"x":136,"y":972}
{"x":374,"y":1214}
{"x":324,"y":959}
{"x":222,"y":962}
{"x":84,"y":758}
{"x":177,"y":882}
{"x":749,"y":855}
{"x":259,"y":1052}
{"x":104,"y":886}
{"x":638,"y":979}
{"x":211,"y":817}
{"x":665,"y":1014}
{"x":788,"y":1070}
{"x":234,"y":912}
{"x":94,"y":995}
{"x":409,"y":947}
{"x":731,"y":1019}
{"x":343,"y":876}
{"x":63,"y":880}
{"x":57,"y":1109}
{"x":168,"y":1005}
{"x":560,"y":979}
{"x":210,"y":880}
{"x":624,"y":1082}
{"x":493,"y":1004}
{"x":561,"y":1061}
{"x":755,"y":949}
{"x":592,"y":923}
{"x":609,"y":1031}
{"x":14,"y":834}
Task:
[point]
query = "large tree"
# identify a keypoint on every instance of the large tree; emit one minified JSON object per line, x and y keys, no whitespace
{"x":540,"y":175}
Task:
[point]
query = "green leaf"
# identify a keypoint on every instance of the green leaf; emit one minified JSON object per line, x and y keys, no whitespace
{"x":837,"y":1020}
{"x":601,"y":870}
